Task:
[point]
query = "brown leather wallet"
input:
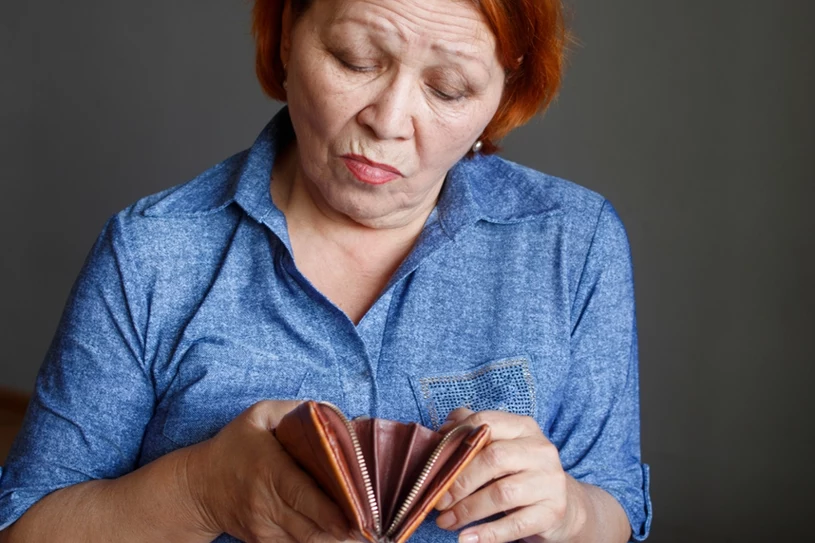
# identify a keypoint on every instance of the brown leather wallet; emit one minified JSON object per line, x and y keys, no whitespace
{"x":385,"y":475}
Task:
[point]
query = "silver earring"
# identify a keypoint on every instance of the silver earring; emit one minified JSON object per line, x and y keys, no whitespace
{"x":477,"y":146}
{"x":285,"y":84}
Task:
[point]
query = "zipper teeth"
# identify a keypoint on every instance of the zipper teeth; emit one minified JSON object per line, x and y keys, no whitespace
{"x":366,"y":479}
{"x":411,"y":497}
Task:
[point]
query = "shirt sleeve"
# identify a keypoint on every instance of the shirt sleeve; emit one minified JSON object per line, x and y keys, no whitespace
{"x":93,"y":397}
{"x":597,"y":429}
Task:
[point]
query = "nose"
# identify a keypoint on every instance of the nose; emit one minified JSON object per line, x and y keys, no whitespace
{"x":390,"y":113}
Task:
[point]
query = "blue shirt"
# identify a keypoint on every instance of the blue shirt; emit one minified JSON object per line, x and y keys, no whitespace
{"x":518,"y":296}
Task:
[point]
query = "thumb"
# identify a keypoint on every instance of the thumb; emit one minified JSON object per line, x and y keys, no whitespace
{"x":456,"y":417}
{"x":268,"y":413}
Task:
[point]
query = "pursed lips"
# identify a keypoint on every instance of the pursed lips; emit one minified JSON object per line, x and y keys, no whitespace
{"x":370,"y":172}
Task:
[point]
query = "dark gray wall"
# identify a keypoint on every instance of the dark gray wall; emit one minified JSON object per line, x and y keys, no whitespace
{"x":695,"y":118}
{"x":103,"y":102}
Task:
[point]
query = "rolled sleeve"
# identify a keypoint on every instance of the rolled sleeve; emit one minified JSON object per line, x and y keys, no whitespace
{"x":598,"y":427}
{"x":93,"y":396}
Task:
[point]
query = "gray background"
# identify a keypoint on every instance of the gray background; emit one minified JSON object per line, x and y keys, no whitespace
{"x":695,"y":118}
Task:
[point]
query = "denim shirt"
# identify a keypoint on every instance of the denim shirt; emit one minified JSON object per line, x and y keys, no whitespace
{"x":517,"y":296}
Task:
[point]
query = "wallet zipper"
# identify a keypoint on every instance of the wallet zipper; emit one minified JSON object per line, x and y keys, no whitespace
{"x":363,"y":468}
{"x":366,"y":479}
{"x":414,"y":492}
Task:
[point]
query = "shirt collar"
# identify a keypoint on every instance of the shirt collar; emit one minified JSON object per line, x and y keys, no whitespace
{"x":252,"y":191}
{"x":457,"y":206}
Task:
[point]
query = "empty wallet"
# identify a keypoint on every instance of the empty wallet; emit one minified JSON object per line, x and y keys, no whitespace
{"x":385,"y":475}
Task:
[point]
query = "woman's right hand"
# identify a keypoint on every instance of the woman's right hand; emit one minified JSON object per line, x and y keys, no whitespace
{"x":244,"y":483}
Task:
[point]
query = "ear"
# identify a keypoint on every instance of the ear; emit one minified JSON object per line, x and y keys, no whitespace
{"x":286,"y":23}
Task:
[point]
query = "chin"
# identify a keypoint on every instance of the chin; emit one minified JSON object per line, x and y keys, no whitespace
{"x":355,"y":201}
{"x":371,"y":217}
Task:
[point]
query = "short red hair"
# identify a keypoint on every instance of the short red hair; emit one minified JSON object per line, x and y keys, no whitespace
{"x":530,"y":37}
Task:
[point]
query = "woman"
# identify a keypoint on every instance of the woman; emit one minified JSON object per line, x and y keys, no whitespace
{"x":367,"y":250}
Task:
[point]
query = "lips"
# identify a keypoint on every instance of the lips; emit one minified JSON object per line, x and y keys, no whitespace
{"x":370,"y":172}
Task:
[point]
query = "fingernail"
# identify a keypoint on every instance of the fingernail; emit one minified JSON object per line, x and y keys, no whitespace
{"x":468,"y":538}
{"x":446,"y":520}
{"x":444,"y":502}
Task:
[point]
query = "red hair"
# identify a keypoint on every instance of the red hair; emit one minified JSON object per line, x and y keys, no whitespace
{"x":530,"y":39}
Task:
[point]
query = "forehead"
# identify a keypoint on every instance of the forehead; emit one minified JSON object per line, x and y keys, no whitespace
{"x":453,"y":27}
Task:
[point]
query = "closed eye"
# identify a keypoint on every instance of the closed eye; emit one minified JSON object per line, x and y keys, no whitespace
{"x":447,"y":97}
{"x":354,"y":67}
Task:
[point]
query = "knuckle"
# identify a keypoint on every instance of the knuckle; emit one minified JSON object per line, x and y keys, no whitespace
{"x":479,"y":418}
{"x":559,"y":482}
{"x":487,"y":535}
{"x":548,"y":451}
{"x":521,"y":526}
{"x":459,"y":487}
{"x":298,"y":496}
{"x":559,"y":510}
{"x":258,"y":531}
{"x":255,"y":511}
{"x":505,"y":493}
{"x":530,"y":423}
{"x":255,"y":412}
{"x":260,"y":406}
{"x":463,"y":512}
{"x":493,"y":456}
{"x":581,"y":519}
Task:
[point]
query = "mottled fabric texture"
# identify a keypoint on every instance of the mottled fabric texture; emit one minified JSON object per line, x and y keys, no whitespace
{"x":518,"y":295}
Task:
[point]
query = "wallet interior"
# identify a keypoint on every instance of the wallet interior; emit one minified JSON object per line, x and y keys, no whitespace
{"x":399,"y":470}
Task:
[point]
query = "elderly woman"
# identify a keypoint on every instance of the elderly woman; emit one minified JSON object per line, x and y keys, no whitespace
{"x":368,"y":250}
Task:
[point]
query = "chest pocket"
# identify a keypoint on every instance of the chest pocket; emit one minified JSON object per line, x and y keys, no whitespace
{"x":502,"y":385}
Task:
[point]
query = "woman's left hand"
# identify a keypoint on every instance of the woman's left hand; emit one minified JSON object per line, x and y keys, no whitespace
{"x":519,"y":473}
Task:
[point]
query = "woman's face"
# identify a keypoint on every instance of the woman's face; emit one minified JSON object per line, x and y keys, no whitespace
{"x":385,"y":96}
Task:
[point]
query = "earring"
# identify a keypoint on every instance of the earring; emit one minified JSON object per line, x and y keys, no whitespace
{"x":285,"y":84}
{"x":477,"y":146}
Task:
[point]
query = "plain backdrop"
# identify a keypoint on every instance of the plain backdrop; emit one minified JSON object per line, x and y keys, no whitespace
{"x":694,"y":117}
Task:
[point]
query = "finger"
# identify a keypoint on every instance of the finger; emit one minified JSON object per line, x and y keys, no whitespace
{"x":505,"y":425}
{"x":267,"y":413}
{"x":505,"y":494}
{"x":455,"y":417}
{"x":496,"y":460}
{"x":525,"y":522}
{"x":301,"y":493}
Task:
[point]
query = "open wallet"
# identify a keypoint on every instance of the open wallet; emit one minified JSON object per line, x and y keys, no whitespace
{"x":385,"y":475}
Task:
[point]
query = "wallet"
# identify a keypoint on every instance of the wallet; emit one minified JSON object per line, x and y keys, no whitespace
{"x":385,"y":475}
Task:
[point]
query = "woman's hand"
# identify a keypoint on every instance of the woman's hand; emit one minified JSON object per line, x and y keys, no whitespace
{"x":246,"y":485}
{"x":519,"y":473}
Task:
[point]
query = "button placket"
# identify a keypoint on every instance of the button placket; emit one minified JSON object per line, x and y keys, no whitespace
{"x":371,"y":331}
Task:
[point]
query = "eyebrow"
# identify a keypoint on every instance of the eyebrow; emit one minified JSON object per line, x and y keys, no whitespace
{"x":459,"y":53}
{"x":446,"y":50}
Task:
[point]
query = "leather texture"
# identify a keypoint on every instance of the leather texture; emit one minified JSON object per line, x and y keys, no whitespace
{"x":385,"y":475}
